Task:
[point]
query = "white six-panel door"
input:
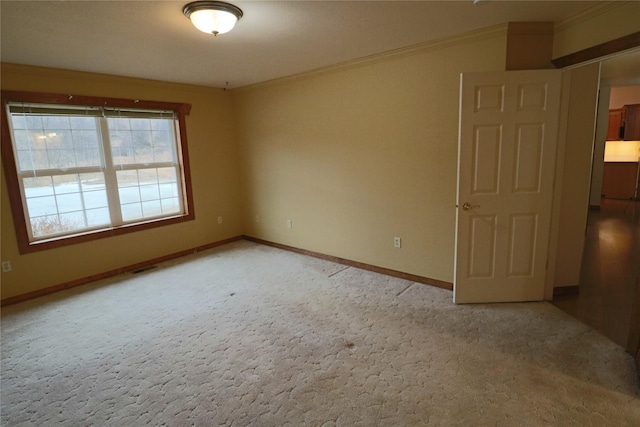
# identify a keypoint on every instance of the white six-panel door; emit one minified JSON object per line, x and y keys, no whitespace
{"x":506,"y":165}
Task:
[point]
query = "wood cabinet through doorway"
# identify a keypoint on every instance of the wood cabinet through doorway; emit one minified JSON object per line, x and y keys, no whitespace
{"x":619,"y":180}
{"x":624,"y":123}
{"x":615,"y":129}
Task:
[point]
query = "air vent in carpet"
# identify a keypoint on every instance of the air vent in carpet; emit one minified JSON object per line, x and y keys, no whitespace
{"x":143,"y":269}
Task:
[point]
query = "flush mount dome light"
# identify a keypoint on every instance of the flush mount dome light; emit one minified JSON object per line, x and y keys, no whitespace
{"x":212,"y":17}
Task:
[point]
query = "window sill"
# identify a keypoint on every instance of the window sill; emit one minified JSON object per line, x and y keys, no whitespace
{"x":87,"y":236}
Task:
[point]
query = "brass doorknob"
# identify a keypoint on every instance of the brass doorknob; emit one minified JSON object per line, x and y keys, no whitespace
{"x":468,"y":206}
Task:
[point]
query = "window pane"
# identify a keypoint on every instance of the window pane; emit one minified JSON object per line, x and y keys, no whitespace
{"x":92,"y":181}
{"x":72,"y":221}
{"x":56,"y":122}
{"x":45,"y":225}
{"x":18,"y":121}
{"x":69,"y":202}
{"x":39,"y":206}
{"x":171,"y":205}
{"x":40,"y":159}
{"x":79,"y":122}
{"x":122,"y":155}
{"x":131,"y":212}
{"x":127,"y":178}
{"x":65,"y":184}
{"x":21,"y":139}
{"x":57,"y":139}
{"x":120,"y":138}
{"x":96,"y":217}
{"x":94,"y":195}
{"x":64,"y":203}
{"x":148,"y":176}
{"x":163,"y":154}
{"x":40,"y":186}
{"x":54,"y":224}
{"x":85,"y":138}
{"x":151,"y":208}
{"x":119,"y":124}
{"x":168,"y":175}
{"x":95,"y":199}
{"x":61,"y":159}
{"x":129,"y":194}
{"x":144,"y":141}
{"x":168,"y":183}
{"x":147,"y":193}
{"x":33,"y":122}
{"x":37,"y":140}
{"x":141,"y":138}
{"x":52,"y":142}
{"x":140,"y":124}
{"x":88,"y":157}
{"x":162,"y":125}
{"x":25,"y":160}
{"x":168,"y":190}
{"x":161,"y":138}
{"x":143,"y":155}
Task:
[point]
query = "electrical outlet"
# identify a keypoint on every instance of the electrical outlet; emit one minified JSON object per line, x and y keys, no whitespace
{"x":219,"y":220}
{"x":289,"y":224}
{"x":6,"y":266}
{"x":257,"y":218}
{"x":397,"y":242}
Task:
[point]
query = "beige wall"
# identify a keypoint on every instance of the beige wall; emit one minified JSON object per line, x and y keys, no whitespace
{"x":624,"y":95}
{"x":357,"y":156}
{"x":608,"y":21}
{"x":214,"y":172}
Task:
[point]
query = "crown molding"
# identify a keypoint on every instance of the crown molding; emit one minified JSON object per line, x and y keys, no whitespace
{"x":478,"y":35}
{"x":588,"y":14}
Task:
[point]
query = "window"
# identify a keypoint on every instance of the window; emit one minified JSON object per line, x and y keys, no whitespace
{"x":79,"y":168}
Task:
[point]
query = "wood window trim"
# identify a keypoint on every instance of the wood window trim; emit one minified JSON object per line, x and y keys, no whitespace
{"x":11,"y":174}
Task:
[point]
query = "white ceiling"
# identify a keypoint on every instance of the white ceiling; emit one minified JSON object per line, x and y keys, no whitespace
{"x":154,"y":40}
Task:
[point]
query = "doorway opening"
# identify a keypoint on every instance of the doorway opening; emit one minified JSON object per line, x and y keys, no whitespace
{"x":610,"y":270}
{"x":610,"y":267}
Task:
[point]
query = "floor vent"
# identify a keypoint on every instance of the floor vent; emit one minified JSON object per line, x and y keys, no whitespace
{"x":143,"y":269}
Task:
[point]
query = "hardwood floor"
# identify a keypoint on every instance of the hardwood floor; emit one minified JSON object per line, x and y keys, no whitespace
{"x":610,"y":268}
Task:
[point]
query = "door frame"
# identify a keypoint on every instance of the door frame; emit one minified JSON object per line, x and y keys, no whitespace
{"x":557,"y":193}
{"x":571,"y":195}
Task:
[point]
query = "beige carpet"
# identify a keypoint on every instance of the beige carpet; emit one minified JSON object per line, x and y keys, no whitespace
{"x":250,"y":335}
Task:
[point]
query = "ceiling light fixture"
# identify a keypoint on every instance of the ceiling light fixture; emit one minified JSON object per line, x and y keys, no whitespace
{"x":212,"y":17}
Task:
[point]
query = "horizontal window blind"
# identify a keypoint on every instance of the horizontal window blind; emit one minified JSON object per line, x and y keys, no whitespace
{"x":66,"y":110}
